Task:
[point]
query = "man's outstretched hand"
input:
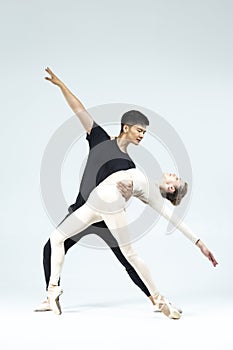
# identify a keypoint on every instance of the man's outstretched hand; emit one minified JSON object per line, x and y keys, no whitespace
{"x":53,"y":78}
{"x":207,"y":253}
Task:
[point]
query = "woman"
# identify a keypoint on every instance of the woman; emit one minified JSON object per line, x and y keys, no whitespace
{"x":106,"y":203}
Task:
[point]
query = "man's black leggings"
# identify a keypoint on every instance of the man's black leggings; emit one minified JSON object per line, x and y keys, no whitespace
{"x":101,"y":230}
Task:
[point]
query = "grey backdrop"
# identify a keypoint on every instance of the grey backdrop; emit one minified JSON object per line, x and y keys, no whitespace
{"x":173,"y":57}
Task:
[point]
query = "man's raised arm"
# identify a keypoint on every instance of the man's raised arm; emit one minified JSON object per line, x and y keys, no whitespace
{"x":74,"y":103}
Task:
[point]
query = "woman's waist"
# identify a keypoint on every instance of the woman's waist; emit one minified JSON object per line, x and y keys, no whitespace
{"x":122,"y":175}
{"x":106,"y":198}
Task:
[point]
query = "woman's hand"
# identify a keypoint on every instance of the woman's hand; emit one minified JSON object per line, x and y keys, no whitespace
{"x":126,"y":190}
{"x":53,"y":78}
{"x":206,"y":252}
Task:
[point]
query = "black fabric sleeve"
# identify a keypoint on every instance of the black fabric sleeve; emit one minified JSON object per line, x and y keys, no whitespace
{"x":97,"y":135}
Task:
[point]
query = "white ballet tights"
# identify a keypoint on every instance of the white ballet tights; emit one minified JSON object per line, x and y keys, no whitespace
{"x":80,"y":220}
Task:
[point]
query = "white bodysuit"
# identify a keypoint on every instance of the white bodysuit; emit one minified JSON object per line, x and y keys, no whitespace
{"x":106,"y":203}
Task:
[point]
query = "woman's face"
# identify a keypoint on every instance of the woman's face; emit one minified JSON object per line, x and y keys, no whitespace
{"x":172,"y":181}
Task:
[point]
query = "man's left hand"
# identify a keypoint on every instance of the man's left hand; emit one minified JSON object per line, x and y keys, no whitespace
{"x":126,"y":190}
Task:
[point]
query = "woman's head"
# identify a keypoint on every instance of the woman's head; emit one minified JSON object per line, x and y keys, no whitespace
{"x":173,"y":188}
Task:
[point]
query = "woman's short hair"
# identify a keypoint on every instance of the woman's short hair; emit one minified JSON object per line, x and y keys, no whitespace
{"x":176,"y":196}
{"x":133,"y":117}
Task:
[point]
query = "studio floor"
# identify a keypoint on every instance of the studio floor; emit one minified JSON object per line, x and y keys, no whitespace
{"x":121,"y":325}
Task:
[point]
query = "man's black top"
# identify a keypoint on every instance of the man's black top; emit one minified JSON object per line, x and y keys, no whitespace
{"x":105,"y":158}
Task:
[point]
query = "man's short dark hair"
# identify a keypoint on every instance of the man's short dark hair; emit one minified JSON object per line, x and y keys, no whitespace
{"x":133,"y":117}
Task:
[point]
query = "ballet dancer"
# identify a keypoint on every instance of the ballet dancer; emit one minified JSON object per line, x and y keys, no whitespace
{"x":112,"y":155}
{"x":106,"y":203}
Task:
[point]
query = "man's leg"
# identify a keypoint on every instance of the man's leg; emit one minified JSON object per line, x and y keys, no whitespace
{"x":47,"y":262}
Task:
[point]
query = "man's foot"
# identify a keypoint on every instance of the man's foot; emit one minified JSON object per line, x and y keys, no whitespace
{"x":44,"y":306}
{"x":53,"y":295}
{"x":164,"y":306}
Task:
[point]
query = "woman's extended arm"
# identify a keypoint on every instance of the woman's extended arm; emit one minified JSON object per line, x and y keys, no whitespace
{"x":188,"y":233}
{"x":74,"y":103}
{"x":150,"y":194}
{"x":177,"y":222}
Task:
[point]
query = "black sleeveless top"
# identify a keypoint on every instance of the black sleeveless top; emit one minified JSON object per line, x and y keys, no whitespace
{"x":105,"y":158}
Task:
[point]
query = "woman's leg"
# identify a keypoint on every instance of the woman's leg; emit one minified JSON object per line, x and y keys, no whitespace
{"x":103,"y":232}
{"x":75,"y":223}
{"x":110,"y":240}
{"x":117,"y":224}
{"x":47,"y":256}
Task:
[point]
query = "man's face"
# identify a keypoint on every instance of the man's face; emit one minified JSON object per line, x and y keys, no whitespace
{"x":134,"y":133}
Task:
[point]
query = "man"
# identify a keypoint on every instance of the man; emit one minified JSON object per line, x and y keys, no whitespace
{"x":133,"y":134}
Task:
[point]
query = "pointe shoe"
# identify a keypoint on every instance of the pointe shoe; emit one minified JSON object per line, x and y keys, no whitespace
{"x":53,"y":295}
{"x":157,"y":309}
{"x":164,"y":306}
{"x":44,"y":306}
